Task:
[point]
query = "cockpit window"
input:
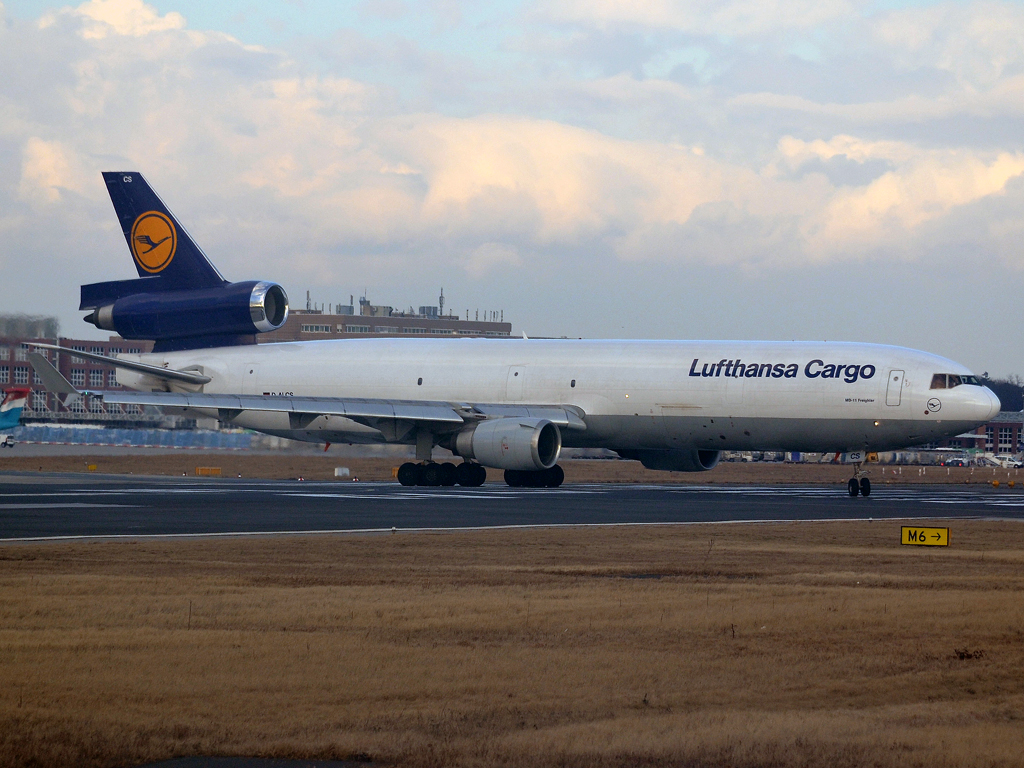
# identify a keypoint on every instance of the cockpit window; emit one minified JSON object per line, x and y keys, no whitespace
{"x":950,"y":380}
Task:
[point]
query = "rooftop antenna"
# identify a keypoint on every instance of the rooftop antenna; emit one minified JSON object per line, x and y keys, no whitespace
{"x":440,"y":304}
{"x":308,"y":305}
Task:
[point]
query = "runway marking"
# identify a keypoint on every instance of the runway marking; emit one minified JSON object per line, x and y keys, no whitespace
{"x":68,"y":506}
{"x":467,"y":528}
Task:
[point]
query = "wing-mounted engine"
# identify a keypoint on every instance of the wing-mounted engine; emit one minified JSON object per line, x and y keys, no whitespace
{"x":681,"y":460}
{"x":511,"y":443}
{"x":178,"y":319}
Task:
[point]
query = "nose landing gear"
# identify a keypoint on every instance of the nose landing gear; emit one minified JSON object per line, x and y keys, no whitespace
{"x":859,"y":483}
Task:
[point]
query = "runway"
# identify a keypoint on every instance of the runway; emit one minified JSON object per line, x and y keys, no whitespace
{"x":34,"y":507}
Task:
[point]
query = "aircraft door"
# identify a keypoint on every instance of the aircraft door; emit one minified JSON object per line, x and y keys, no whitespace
{"x":894,"y":388}
{"x":516,"y":382}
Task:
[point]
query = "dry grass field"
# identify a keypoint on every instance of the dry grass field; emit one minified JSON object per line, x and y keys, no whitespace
{"x":816,"y":644}
{"x":321,"y":467}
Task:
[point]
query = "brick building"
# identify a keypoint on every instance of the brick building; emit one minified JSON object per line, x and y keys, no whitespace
{"x":15,"y":370}
{"x":1004,"y":434}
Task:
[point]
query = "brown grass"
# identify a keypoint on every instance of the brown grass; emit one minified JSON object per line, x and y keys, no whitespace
{"x":321,"y":467}
{"x":781,"y":645}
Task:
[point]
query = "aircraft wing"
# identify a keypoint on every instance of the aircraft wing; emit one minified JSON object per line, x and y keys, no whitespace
{"x":303,"y":410}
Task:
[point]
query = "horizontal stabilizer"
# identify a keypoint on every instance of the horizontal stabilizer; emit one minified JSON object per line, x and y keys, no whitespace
{"x":96,"y":295}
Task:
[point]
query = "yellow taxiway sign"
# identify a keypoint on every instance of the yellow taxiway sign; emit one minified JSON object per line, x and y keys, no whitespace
{"x":925,"y":537}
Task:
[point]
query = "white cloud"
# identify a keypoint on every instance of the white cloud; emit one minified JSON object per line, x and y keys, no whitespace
{"x":45,"y":171}
{"x":121,"y":17}
{"x":978,"y":41}
{"x":704,"y":17}
{"x":317,"y":178}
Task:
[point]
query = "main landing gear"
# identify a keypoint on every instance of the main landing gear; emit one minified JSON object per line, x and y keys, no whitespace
{"x":544,"y":478}
{"x":859,"y":483}
{"x":467,"y":474}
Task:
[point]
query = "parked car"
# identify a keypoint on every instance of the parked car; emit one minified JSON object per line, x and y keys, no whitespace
{"x":1008,"y":461}
{"x":956,"y":462}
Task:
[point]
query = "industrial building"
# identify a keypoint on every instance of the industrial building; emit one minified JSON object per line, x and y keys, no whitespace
{"x":352,"y":321}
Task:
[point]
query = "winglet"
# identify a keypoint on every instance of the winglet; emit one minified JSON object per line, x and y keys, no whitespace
{"x":52,"y":378}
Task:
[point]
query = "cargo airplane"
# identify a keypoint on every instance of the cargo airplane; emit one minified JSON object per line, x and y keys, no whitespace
{"x":508,"y":404}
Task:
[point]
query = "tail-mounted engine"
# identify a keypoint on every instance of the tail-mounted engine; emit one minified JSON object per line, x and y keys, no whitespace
{"x":179,"y":319}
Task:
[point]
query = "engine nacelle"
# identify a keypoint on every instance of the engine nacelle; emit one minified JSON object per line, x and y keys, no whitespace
{"x":679,"y":460}
{"x":511,"y":443}
{"x":232,"y":309}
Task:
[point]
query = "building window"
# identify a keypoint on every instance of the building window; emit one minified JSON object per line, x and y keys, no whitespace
{"x":5,"y":373}
{"x":112,"y":379}
{"x":75,"y":359}
{"x":316,"y":329}
{"x":36,"y":381}
{"x":39,"y":402}
{"x":77,"y":406}
{"x":95,"y":378}
{"x":1006,"y":438}
{"x":133,"y":409}
{"x":78,"y":377}
{"x":990,"y":434}
{"x":95,"y":405}
{"x":116,"y":350}
{"x":21,"y":353}
{"x":357,"y":328}
{"x":442,"y":331}
{"x":387,"y":329}
{"x":20,"y":374}
{"x":135,"y":351}
{"x":414,"y":330}
{"x":5,"y":353}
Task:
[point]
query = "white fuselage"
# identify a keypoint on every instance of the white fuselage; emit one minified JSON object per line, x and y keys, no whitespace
{"x":653,"y":395}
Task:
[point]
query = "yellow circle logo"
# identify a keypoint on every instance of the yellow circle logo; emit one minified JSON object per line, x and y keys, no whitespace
{"x":154,"y":241}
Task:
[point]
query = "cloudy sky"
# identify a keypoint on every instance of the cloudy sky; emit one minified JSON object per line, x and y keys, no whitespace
{"x":780,"y":169}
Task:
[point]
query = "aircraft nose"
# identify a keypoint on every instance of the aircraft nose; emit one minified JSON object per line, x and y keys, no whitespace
{"x":988,"y":406}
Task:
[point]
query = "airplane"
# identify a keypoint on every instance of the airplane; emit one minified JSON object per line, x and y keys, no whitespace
{"x":507,"y":404}
{"x":10,"y":413}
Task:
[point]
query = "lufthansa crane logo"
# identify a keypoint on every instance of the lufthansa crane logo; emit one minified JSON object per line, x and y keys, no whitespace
{"x":154,"y":241}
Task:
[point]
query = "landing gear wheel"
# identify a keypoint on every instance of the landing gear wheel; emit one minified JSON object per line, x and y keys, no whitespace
{"x":464,"y":474}
{"x":430,"y":474}
{"x":479,"y":475}
{"x":865,"y":487}
{"x":555,"y":476}
{"x":447,"y":474}
{"x":853,"y":487}
{"x":514,"y":478}
{"x":470,"y":475}
{"x":409,"y":474}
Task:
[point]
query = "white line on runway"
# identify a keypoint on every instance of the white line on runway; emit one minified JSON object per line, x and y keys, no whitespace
{"x":72,"y":505}
{"x":468,"y":528}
